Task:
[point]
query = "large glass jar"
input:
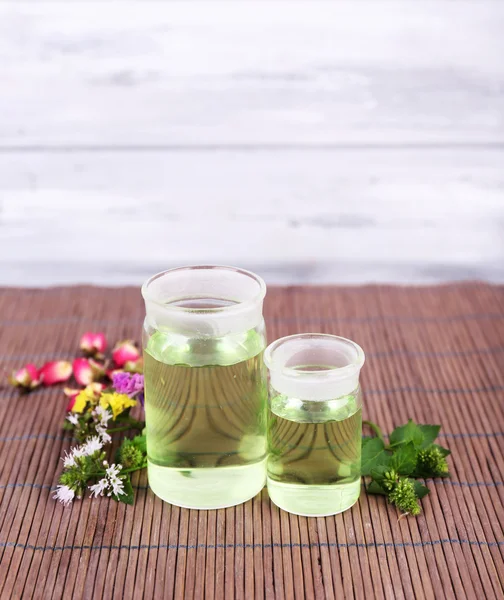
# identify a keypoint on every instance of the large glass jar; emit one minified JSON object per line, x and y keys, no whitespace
{"x":205,"y":385}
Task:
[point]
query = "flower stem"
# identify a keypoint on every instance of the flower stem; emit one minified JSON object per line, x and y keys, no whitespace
{"x":117,"y":429}
{"x":132,"y":469}
{"x":133,"y":423}
{"x":375,"y":428}
{"x":129,"y":424}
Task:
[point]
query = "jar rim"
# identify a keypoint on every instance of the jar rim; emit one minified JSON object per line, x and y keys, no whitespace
{"x":332,"y":372}
{"x":237,"y":306}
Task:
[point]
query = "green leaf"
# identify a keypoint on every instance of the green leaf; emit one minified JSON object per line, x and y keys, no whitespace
{"x":373,"y":455}
{"x":428,"y":474}
{"x":420,"y":489}
{"x":375,"y":488}
{"x":404,"y":459}
{"x":140,"y":442}
{"x":404,"y":434}
{"x":444,"y":451}
{"x":378,"y":473}
{"x":365,"y":440}
{"x":430,"y":433}
{"x":128,"y":497}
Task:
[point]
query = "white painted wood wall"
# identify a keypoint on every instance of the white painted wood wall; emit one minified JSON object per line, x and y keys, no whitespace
{"x":331,"y":141}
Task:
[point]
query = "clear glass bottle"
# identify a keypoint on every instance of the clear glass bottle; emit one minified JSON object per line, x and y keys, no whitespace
{"x":314,"y":423}
{"x":205,"y":385}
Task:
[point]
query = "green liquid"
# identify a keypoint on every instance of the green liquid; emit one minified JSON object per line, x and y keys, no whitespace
{"x":205,"y":406}
{"x":314,"y":454}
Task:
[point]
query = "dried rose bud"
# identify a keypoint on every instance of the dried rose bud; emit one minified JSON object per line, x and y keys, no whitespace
{"x":26,"y":379}
{"x":71,"y":391}
{"x":134,"y":366}
{"x":95,"y":389}
{"x":112,"y":372}
{"x":87,"y":370}
{"x":124,"y":352}
{"x":55,"y":371}
{"x":93,"y":344}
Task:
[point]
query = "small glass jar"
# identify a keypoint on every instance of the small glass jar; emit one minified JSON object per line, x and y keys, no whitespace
{"x":314,"y":423}
{"x":205,"y":385}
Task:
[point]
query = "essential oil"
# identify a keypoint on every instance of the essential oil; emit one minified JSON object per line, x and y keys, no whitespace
{"x":205,"y":405}
{"x":314,"y":453}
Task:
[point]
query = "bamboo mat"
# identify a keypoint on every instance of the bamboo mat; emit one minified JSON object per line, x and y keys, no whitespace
{"x":435,"y":354}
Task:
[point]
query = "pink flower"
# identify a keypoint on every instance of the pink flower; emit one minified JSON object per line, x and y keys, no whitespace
{"x":26,"y":379}
{"x":87,"y":370}
{"x":72,"y":394}
{"x":71,"y":403}
{"x":93,"y":344}
{"x":55,"y":371}
{"x":125,"y":351}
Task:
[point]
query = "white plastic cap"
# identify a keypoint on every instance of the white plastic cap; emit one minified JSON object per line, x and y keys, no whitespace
{"x":314,"y":366}
{"x":242,"y":290}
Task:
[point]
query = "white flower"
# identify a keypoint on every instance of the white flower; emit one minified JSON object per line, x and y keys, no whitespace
{"x":92,"y":445}
{"x":104,"y":436}
{"x":113,"y":471}
{"x":115,"y":483}
{"x":89,"y":448}
{"x":117,"y":487}
{"x":103,"y":415}
{"x":79,"y":451}
{"x":73,"y":419}
{"x":99,"y":488}
{"x":64,"y":494}
{"x":68,"y":459}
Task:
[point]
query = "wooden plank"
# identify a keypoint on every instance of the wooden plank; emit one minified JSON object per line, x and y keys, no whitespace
{"x":250,"y":72}
{"x":420,"y":215}
{"x":311,"y":141}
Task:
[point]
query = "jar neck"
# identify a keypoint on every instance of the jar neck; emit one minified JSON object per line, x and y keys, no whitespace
{"x":198,"y":323}
{"x":313,"y":388}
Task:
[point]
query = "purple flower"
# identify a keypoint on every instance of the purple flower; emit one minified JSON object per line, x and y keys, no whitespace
{"x":121,"y":382}
{"x":126,"y":383}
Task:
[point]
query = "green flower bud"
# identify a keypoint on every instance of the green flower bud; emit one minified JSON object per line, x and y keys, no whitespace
{"x":130,"y":456}
{"x":404,"y":497}
{"x":389,"y":480}
{"x":433,"y":462}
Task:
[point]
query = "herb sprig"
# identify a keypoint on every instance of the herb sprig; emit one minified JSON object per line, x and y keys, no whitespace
{"x":394,"y":467}
{"x":87,"y":463}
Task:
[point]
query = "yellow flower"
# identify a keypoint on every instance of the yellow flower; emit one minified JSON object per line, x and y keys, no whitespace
{"x":80,"y":402}
{"x":117,"y":402}
{"x":90,"y":394}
